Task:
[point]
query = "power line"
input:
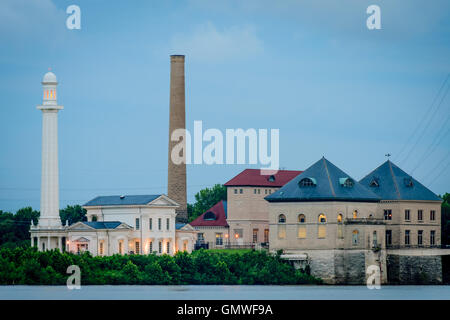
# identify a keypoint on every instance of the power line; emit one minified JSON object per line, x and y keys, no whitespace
{"x":424,"y":116}
{"x":427,"y":124}
{"x":430,"y":173}
{"x":439,"y":174}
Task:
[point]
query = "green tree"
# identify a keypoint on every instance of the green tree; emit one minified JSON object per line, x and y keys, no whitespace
{"x":72,"y":214}
{"x":205,"y":199}
{"x":445,"y":219}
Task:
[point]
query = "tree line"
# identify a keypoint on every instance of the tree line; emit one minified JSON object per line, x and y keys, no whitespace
{"x":28,"y":266}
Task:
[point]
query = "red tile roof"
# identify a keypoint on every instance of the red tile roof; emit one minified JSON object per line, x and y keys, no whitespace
{"x":254,"y":178}
{"x":220,"y":212}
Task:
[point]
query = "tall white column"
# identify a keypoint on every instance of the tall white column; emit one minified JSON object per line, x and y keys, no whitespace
{"x":49,"y":217}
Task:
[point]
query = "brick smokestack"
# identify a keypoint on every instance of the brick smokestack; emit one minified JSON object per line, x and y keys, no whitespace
{"x":177,"y":172}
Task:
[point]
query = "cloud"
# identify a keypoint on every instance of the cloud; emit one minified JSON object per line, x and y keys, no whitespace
{"x":207,"y":43}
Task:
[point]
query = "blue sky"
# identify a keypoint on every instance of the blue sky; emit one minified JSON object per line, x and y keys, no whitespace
{"x":311,"y":69}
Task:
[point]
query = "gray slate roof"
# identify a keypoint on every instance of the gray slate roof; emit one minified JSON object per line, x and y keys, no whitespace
{"x":103,"y":224}
{"x":395,"y":184}
{"x":328,"y":186}
{"x":117,"y":200}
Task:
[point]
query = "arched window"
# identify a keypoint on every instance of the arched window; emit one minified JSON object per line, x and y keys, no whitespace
{"x":355,"y":214}
{"x":355,"y":239}
{"x":94,"y":218}
{"x":340,"y":231}
{"x":339,"y":218}
{"x":281,"y":218}
{"x":301,"y":218}
{"x":307,"y":182}
{"x":209,"y":216}
{"x":322,"y":218}
{"x":346,"y":182}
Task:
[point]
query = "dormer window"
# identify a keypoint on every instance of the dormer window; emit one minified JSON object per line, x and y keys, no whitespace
{"x":346,"y":182}
{"x":271,"y":178}
{"x":209,"y":216}
{"x":408,"y":182}
{"x":374,"y":183}
{"x":307,"y":182}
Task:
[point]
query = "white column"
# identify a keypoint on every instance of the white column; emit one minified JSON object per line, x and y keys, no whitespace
{"x":48,"y":242}
{"x":60,"y":244}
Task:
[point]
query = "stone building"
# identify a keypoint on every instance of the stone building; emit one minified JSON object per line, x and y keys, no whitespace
{"x":412,"y":215}
{"x":327,"y":220}
{"x":339,"y":227}
{"x":248,"y":212}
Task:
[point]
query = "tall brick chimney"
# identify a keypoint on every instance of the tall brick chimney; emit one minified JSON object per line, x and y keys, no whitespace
{"x":177,"y":172}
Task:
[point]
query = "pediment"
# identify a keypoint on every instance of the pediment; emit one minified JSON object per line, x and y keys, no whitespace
{"x":163,"y":201}
{"x":80,"y":226}
{"x":187,"y":227}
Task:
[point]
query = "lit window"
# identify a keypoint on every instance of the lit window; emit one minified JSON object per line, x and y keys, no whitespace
{"x":301,"y":232}
{"x":121,"y":247}
{"x":138,"y":247}
{"x":150,"y":247}
{"x":301,"y":218}
{"x":388,"y":214}
{"x":282,"y":231}
{"x":281,"y":218}
{"x":219,"y":239}
{"x":266,"y":235}
{"x":101,"y":248}
{"x":355,"y":214}
{"x":322,"y":218}
{"x":339,"y":218}
{"x":168,"y":247}
{"x":322,"y":231}
{"x":255,"y":236}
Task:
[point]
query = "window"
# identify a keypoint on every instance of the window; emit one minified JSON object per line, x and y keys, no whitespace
{"x":374,"y":183}
{"x":185,"y":246}
{"x":407,"y":237}
{"x":388,"y":237}
{"x":407,"y":215}
{"x":209,"y":216}
{"x":301,"y":232}
{"x":137,"y":223}
{"x":254,"y":191}
{"x":266,"y":235}
{"x":167,"y":223}
{"x":160,"y":247}
{"x":346,"y":182}
{"x":301,"y":218}
{"x":168,"y":247}
{"x":271,"y":178}
{"x":339,"y":218}
{"x":420,"y":215}
{"x":219,"y":239}
{"x":150,"y":224}
{"x":322,"y":231}
{"x":94,"y":218}
{"x":307,"y":182}
{"x":408,"y":182}
{"x":159,"y":223}
{"x":235,"y":191}
{"x":241,"y":191}
{"x":374,"y":239}
{"x":259,"y":191}
{"x":432,"y":215}
{"x":200,"y":237}
{"x":322,"y":218}
{"x":355,"y":214}
{"x":238,"y":233}
{"x":137,"y":247}
{"x":281,"y":218}
{"x":255,"y":235}
{"x":355,"y":239}
{"x":150,"y":247}
{"x":420,"y":237}
{"x":101,"y":248}
{"x":388,"y":214}
{"x":432,"y":237}
{"x":121,"y":247}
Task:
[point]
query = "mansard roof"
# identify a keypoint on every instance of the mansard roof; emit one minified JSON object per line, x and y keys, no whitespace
{"x":390,"y":182}
{"x":262,"y":178}
{"x":323,"y":181}
{"x":216,"y":216}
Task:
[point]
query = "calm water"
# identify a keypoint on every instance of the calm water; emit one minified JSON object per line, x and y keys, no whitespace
{"x":224,"y":292}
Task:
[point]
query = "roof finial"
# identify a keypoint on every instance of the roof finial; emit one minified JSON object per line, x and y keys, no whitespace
{"x":387,"y":155}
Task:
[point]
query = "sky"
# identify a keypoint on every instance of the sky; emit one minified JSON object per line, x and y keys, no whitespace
{"x":311,"y":69}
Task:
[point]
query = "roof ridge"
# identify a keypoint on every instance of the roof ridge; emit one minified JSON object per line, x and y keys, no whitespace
{"x":329,"y":178}
{"x":394,"y":180}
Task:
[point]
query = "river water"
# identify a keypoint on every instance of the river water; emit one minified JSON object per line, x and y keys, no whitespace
{"x":225,"y":292}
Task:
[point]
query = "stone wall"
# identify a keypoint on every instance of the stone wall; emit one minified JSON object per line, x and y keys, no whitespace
{"x":414,"y":269}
